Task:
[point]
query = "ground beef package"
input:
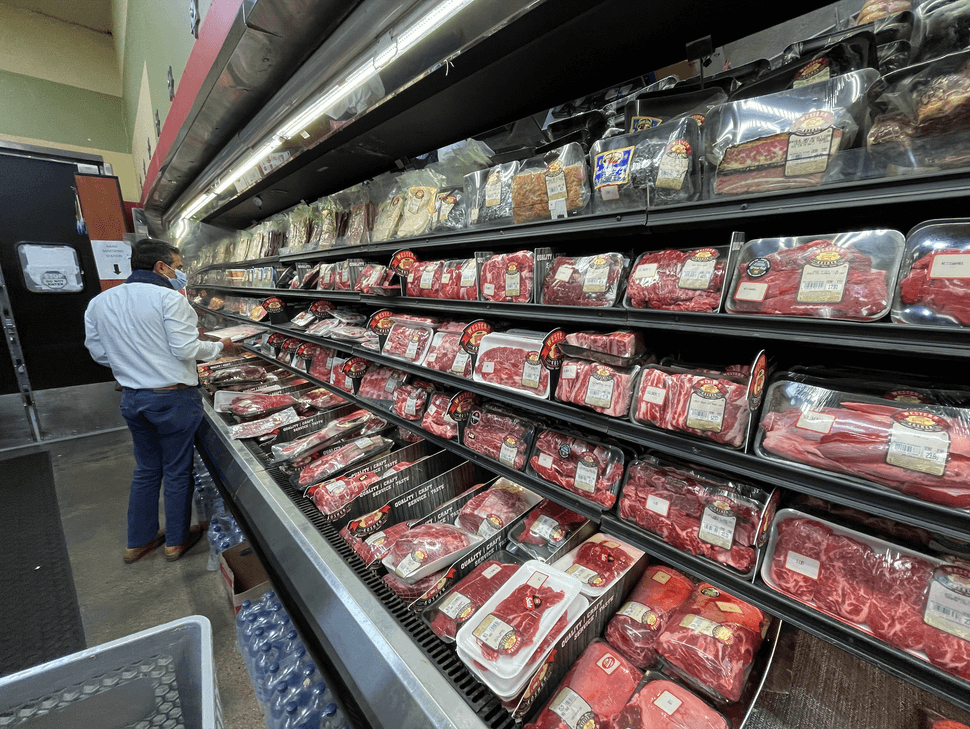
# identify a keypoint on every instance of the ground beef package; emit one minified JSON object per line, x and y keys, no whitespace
{"x":586,"y":280}
{"x":551,"y":186}
{"x":678,"y":280}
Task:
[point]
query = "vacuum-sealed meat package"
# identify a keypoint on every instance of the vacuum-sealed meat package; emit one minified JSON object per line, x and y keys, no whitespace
{"x":410,"y":591}
{"x":494,"y":508}
{"x":599,"y":562}
{"x":513,"y":362}
{"x":488,"y":195}
{"x":450,"y":213}
{"x":411,"y":400}
{"x":934,"y":279}
{"x":374,"y":547}
{"x":426,"y":548}
{"x":844,"y":276}
{"x":588,"y":469}
{"x":436,"y":419}
{"x":330,"y":497}
{"x":500,"y":435}
{"x":389,"y":215}
{"x":409,"y":341}
{"x":599,"y":387}
{"x":551,"y":186}
{"x":419,"y":203}
{"x":547,"y":526}
{"x":617,"y":349}
{"x":662,"y":704}
{"x":381,"y":384}
{"x":585,"y":281}
{"x":346,"y":426}
{"x":256,"y":405}
{"x":263,"y":426}
{"x":464,"y":599}
{"x":678,"y":280}
{"x":335,"y":461}
{"x":507,"y":277}
{"x":459,"y":280}
{"x":424,"y":279}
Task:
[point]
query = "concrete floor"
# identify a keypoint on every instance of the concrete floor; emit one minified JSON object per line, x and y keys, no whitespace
{"x":92,"y":476}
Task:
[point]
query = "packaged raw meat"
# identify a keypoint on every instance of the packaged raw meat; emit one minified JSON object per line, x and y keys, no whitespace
{"x":344,"y":427}
{"x":321,"y":399}
{"x":586,"y":468}
{"x":421,"y":192}
{"x":678,"y":280}
{"x":374,"y":426}
{"x":424,"y":279}
{"x":599,"y":562}
{"x":607,"y":390}
{"x":388,"y":215}
{"x":427,"y":548}
{"x":500,"y":435}
{"x":513,"y":362}
{"x":650,"y":109}
{"x":436,"y":419}
{"x":844,"y":276}
{"x":339,"y":459}
{"x":325,"y":213}
{"x":459,"y":280}
{"x":504,"y":634}
{"x":495,"y":508}
{"x":712,"y":642}
{"x":238,"y":376}
{"x":892,"y":386}
{"x":617,"y":349}
{"x":546,"y":528}
{"x":263,"y":426}
{"x":551,"y":186}
{"x":450,"y":213}
{"x":663,"y":704}
{"x":255,"y":405}
{"x":373,"y":275}
{"x":411,"y":591}
{"x":657,"y":166}
{"x":464,"y":599}
{"x":507,"y":277}
{"x":585,"y":281}
{"x":488,"y":195}
{"x":447,"y":355}
{"x":873,"y":10}
{"x":410,"y":401}
{"x":409,"y":341}
{"x":374,"y":547}
{"x":593,"y":693}
{"x":333,"y":496}
{"x":698,"y":512}
{"x":920,"y":450}
{"x":712,"y":406}
{"x":787,"y":140}
{"x":380,"y":385}
{"x":634,"y":629}
{"x":934,"y":279}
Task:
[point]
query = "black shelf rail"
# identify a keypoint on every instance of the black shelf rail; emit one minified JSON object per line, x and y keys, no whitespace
{"x":840,"y":489}
{"x":896,"y":662}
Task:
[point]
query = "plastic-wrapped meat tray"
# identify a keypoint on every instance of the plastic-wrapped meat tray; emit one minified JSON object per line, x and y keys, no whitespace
{"x":585,"y":281}
{"x":678,"y":280}
{"x":587,"y":469}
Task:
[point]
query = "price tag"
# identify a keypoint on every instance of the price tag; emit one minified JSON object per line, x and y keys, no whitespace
{"x":599,"y":392}
{"x":455,"y":605}
{"x":717,"y":528}
{"x":411,"y":404}
{"x":705,"y":414}
{"x":924,"y":452}
{"x":546,"y":527}
{"x":408,"y":566}
{"x":672,"y":170}
{"x":512,"y":283}
{"x":748,"y":291}
{"x":427,"y":278}
{"x":573,"y":709}
{"x":586,"y":477}
{"x":802,"y":565}
{"x":495,"y":633}
{"x":412,"y":350}
{"x":816,"y":422}
{"x":468,"y":274}
{"x":808,"y":154}
{"x":461,"y":362}
{"x":390,"y":384}
{"x":645,"y":272}
{"x":583,"y":574}
{"x":697,"y":275}
{"x":641,"y":613}
{"x":658,"y":505}
{"x":596,"y":279}
{"x":493,"y":191}
{"x":507,"y":454}
{"x":667,"y":703}
{"x":948,"y":603}
{"x":545,"y":461}
{"x":820,"y":285}
{"x":531,"y":372}
{"x":950,"y":265}
{"x":653,"y":395}
{"x":564,"y":273}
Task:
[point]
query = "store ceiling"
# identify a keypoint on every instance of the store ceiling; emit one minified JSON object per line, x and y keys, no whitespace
{"x":92,"y":14}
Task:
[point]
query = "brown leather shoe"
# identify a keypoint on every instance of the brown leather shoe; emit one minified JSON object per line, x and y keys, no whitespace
{"x":174,"y":553}
{"x":133,"y":554}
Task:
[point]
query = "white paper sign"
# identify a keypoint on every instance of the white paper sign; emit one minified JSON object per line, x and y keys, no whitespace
{"x":113,"y":258}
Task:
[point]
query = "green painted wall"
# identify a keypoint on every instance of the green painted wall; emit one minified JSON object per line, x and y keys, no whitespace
{"x":40,"y":109}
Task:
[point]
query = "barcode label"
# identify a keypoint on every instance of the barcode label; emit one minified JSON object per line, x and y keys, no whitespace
{"x":948,"y":604}
{"x":573,"y":709}
{"x":923,"y":452}
{"x":427,"y":278}
{"x":513,"y":283}
{"x":547,"y":528}
{"x":717,"y":529}
{"x":821,"y":285}
{"x":705,"y":414}
{"x":531,"y":373}
{"x":507,"y":454}
{"x":599,"y":393}
{"x":596,"y":279}
{"x":696,"y":275}
{"x":583,"y":574}
{"x":412,"y":350}
{"x":494,"y":632}
{"x":461,"y":362}
{"x":468,"y":273}
{"x":455,"y":604}
{"x":586,"y":476}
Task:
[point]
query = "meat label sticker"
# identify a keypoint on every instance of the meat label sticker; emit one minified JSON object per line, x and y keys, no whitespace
{"x":457,"y":607}
{"x":918,"y":441}
{"x":490,"y":572}
{"x":390,"y":384}
{"x":698,"y":270}
{"x":640,"y":613}
{"x":706,"y":627}
{"x":818,"y":70}
{"x":586,"y":475}
{"x":597,"y":277}
{"x":748,"y":291}
{"x":447,"y":203}
{"x":718,"y":524}
{"x":653,"y":395}
{"x":546,"y":527}
{"x":948,"y":604}
{"x":802,"y":565}
{"x":585,"y":575}
{"x":662,"y":577}
{"x":446,"y":277}
{"x":728,"y":607}
{"x":556,"y":189}
{"x":667,"y":703}
{"x":545,"y":461}
{"x":608,"y":663}
{"x":412,"y":351}
{"x":612,"y":168}
{"x":573,"y":710}
{"x":509,"y":451}
{"x":564,"y":273}
{"x":810,"y":144}
{"x":411,"y":404}
{"x":493,"y":190}
{"x":658,"y":505}
{"x":951,"y":265}
{"x":599,"y":391}
{"x":488,"y":289}
{"x":569,"y":372}
{"x":705,"y":409}
{"x":645,"y":272}
{"x":417,"y":197}
{"x":468,"y":275}
{"x":375,"y":540}
{"x":408,"y":566}
{"x":461,"y":362}
{"x":427,"y":278}
{"x":610,"y":193}
{"x":823,"y":278}
{"x":816,"y":422}
{"x":531,"y":371}
{"x":674,"y":165}
{"x":488,"y":368}
{"x":513,"y":280}
{"x":496,"y":634}
{"x":537,"y":580}
{"x":473,"y":216}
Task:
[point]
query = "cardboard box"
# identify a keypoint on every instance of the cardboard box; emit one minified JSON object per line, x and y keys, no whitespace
{"x":244,"y":576}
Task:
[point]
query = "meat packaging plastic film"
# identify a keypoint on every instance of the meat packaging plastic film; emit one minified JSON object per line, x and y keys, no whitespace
{"x":593,"y":693}
{"x":410,"y":591}
{"x":488,"y":195}
{"x":662,"y":163}
{"x":255,"y":405}
{"x":599,"y":387}
{"x":944,"y":28}
{"x":459,"y":280}
{"x":373,"y":275}
{"x":238,"y":375}
{"x":343,"y":427}
{"x":907,"y":599}
{"x":330,"y":497}
{"x":678,"y":280}
{"x":708,"y":405}
{"x":337,"y":460}
{"x":508,"y":277}
{"x":787,"y":140}
{"x":464,"y":599}
{"x":420,"y":197}
{"x":588,"y":469}
{"x":263,"y":426}
{"x":436,"y":419}
{"x":934,"y":279}
{"x":697,"y":512}
{"x":381,"y":384}
{"x":599,"y":562}
{"x":424,"y":279}
{"x":410,"y":401}
{"x":843,"y":276}
{"x":450,"y":212}
{"x":504,"y":634}
{"x":427,"y":548}
{"x":545,"y":529}
{"x":634,"y":630}
{"x":585,"y":280}
{"x":447,"y":355}
{"x":495,"y":508}
{"x":551,"y":186}
{"x":663,"y":704}
{"x":500,"y":435}
{"x":712,"y":642}
{"x":389,"y":213}
{"x":513,"y":362}
{"x":409,"y":341}
{"x":873,"y":10}
{"x":373,"y":547}
{"x":919,"y":450}
{"x":617,"y":349}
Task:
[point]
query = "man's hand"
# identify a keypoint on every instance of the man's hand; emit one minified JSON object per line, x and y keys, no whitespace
{"x":229,"y":346}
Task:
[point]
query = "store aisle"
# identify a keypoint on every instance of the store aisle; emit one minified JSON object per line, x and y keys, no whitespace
{"x":92,"y":476}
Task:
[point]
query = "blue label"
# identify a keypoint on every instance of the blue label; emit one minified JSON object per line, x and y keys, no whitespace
{"x":612,"y":167}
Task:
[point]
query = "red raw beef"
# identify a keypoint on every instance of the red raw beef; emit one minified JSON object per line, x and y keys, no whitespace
{"x":601,"y":682}
{"x":410,"y":401}
{"x":503,"y":269}
{"x":488,"y":430}
{"x":409,"y":436}
{"x":469,"y":594}
{"x":373,"y":275}
{"x":381,"y":384}
{"x":323,"y":399}
{"x":429,"y":542}
{"x":569,"y":281}
{"x":759,"y":166}
{"x":798,"y":540}
{"x":663,"y":291}
{"x":946,"y":296}
{"x":498,"y":506}
{"x":857,"y":443}
{"x":608,"y":559}
{"x":237,"y":375}
{"x":412,"y":591}
{"x":408,"y":342}
{"x":634,"y":629}
{"x":522,"y":611}
{"x":506,"y":366}
{"x":549,"y":524}
{"x":424,"y":279}
{"x":949,"y":652}
{"x":845,"y":578}
{"x":667,"y":705}
{"x":591,"y":384}
{"x":321,"y":365}
{"x":550,"y":463}
{"x":617,"y":344}
{"x":332,"y":496}
{"x":263,"y":426}
{"x":453,"y":273}
{"x":442,"y":356}
{"x":340,"y":458}
{"x":255,"y":405}
{"x":713,"y":640}
{"x":344,"y":427}
{"x":900,"y":586}
{"x":436,"y":419}
{"x":675,"y":393}
{"x":374,"y":547}
{"x":453,"y":327}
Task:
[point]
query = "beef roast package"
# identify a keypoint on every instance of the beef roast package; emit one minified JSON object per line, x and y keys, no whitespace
{"x":920,"y":450}
{"x":498,"y":434}
{"x":506,"y":277}
{"x":468,"y":595}
{"x":488,"y":195}
{"x":699,"y":512}
{"x":516,"y":361}
{"x":660,"y":703}
{"x":617,"y":349}
{"x":495,"y":508}
{"x":844,"y":276}
{"x":909,"y":600}
{"x":679,"y":280}
{"x":585,"y":280}
{"x":599,"y":562}
{"x":551,"y":186}
{"x":584,"y":467}
{"x":599,"y":387}
{"x":934,"y":280}
{"x":787,"y":140}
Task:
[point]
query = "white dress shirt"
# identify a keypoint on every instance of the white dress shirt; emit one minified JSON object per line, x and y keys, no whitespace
{"x":148,"y":335}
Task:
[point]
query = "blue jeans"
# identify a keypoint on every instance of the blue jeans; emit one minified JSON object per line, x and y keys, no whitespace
{"x":162,"y":426}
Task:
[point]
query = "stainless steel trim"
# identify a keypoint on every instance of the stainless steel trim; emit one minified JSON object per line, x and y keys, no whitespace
{"x":51,"y":153}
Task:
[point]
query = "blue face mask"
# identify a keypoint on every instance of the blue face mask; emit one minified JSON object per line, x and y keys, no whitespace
{"x":178,"y":283}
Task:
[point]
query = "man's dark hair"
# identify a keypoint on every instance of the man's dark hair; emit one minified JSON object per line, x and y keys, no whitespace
{"x":149,"y":251}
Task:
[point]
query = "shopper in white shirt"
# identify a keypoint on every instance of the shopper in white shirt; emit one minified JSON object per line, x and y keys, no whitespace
{"x":147,"y":333}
